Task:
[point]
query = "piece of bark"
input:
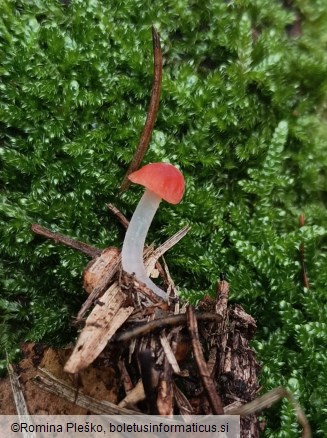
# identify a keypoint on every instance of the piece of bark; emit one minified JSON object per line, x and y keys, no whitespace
{"x":97,"y":276}
{"x":207,"y":381}
{"x":100,"y":271}
{"x":106,"y":317}
{"x":169,"y":353}
{"x":237,"y":373}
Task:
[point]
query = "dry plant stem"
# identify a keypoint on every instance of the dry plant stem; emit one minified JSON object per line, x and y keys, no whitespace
{"x":207,"y":382}
{"x":171,"y":242}
{"x":182,"y":401}
{"x":84,"y":248}
{"x":305,"y":279}
{"x":19,"y":399}
{"x":269,"y":399}
{"x":56,"y":386}
{"x":160,"y":323}
{"x":170,"y":356}
{"x":152,"y":111}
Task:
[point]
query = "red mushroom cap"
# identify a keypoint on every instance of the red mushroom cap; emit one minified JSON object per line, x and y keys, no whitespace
{"x":163,"y":179}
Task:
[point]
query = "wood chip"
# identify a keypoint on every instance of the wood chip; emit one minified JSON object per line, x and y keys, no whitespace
{"x":102,"y":323}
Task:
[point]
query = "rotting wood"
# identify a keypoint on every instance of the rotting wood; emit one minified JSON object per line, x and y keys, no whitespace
{"x":103,"y":322}
{"x":206,"y":379}
{"x":230,"y":332}
{"x":101,"y":270}
{"x":97,"y":276}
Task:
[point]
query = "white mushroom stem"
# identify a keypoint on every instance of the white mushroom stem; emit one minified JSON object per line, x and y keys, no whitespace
{"x":133,"y":246}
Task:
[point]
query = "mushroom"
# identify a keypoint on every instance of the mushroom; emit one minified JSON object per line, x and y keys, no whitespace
{"x":162,"y":181}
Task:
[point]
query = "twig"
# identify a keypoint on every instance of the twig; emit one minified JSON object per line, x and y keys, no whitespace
{"x":122,"y":219}
{"x":207,"y":382}
{"x":152,"y":111}
{"x":305,"y":279}
{"x":160,"y":323}
{"x":270,"y":398}
{"x":84,"y":248}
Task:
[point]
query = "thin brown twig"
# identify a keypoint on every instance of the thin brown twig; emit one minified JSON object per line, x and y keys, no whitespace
{"x":160,"y":323}
{"x":152,"y":111}
{"x":84,"y":248}
{"x":122,"y":219}
{"x":305,"y":279}
{"x":207,"y":382}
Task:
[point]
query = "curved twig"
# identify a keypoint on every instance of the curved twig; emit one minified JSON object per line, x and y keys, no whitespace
{"x":82,"y":247}
{"x":268,"y":399}
{"x":152,"y":111}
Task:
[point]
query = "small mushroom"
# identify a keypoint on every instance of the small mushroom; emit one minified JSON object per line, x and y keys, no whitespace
{"x":162,"y":181}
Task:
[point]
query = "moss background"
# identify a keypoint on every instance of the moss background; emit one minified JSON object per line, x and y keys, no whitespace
{"x":242,"y":113}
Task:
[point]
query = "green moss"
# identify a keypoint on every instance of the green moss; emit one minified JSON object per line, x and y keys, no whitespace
{"x":242,"y":114}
